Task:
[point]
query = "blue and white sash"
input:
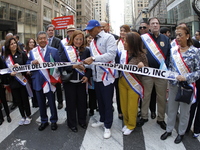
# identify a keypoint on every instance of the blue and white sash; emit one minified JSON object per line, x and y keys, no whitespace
{"x":155,"y":50}
{"x":47,"y":86}
{"x":72,"y":56}
{"x":108,"y":72}
{"x":182,"y":67}
{"x":120,"y":47}
{"x":134,"y":83}
{"x":19,"y":77}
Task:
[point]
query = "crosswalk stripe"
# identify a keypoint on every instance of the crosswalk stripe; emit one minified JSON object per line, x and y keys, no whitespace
{"x":7,"y":128}
{"x":93,"y":138}
{"x":152,"y":133}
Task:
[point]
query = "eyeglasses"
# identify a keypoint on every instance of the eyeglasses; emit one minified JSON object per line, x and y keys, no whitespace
{"x":143,"y":27}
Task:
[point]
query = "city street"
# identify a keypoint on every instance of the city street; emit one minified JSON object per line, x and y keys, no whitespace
{"x":14,"y":137}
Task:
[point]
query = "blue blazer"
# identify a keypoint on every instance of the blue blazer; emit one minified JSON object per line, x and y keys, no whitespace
{"x":36,"y":76}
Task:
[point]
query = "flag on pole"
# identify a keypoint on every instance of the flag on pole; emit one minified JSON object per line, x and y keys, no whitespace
{"x":54,"y":73}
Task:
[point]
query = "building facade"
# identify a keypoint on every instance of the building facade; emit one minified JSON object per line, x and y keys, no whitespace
{"x":100,"y":6}
{"x":27,"y":17}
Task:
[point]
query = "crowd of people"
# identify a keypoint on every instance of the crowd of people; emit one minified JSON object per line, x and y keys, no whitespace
{"x":92,"y":86}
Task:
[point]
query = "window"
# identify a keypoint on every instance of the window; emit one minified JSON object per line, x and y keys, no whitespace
{"x":3,"y":10}
{"x":47,"y":13}
{"x":20,"y":15}
{"x":34,"y":18}
{"x":56,"y":3}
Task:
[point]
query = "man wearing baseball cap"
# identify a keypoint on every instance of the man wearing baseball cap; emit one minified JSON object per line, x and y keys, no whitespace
{"x":103,"y":49}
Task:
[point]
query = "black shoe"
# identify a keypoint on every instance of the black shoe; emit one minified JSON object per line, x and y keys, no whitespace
{"x":178,"y":139}
{"x":153,"y":115}
{"x":60,"y":105}
{"x":1,"y":121}
{"x":91,"y":113}
{"x":74,"y":129}
{"x":142,"y":122}
{"x":9,"y":119}
{"x":120,"y":116}
{"x":35,"y":106}
{"x":54,"y":126}
{"x":84,"y":126}
{"x":43,"y":126}
{"x":165,"y":135}
{"x":13,"y":107}
{"x":113,"y":109}
{"x":97,"y":109}
{"x":162,"y":124}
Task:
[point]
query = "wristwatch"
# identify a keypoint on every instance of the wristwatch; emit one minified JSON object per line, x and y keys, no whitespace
{"x":93,"y":58}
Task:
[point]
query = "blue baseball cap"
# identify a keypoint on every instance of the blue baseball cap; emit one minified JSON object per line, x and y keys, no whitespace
{"x":91,"y":24}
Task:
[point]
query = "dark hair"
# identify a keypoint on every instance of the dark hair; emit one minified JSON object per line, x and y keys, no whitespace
{"x":164,"y":30}
{"x":127,"y":29}
{"x":143,"y":22}
{"x":134,"y":42}
{"x":7,"y":47}
{"x":186,"y":29}
{"x":153,"y":18}
{"x":198,"y":31}
{"x":71,"y":41}
{"x":17,"y":36}
{"x":41,"y":32}
{"x":27,"y":44}
{"x":50,"y":25}
{"x":86,"y":36}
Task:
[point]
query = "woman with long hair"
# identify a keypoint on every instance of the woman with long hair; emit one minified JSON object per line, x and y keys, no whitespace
{"x":130,"y":85}
{"x":14,"y":57}
{"x":75,"y":89}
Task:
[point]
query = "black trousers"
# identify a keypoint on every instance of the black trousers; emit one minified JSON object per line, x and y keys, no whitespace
{"x":117,"y":95}
{"x":59,"y":93}
{"x":92,"y":99}
{"x":195,"y":107}
{"x":4,"y":102}
{"x":105,"y":100}
{"x":21,"y":97}
{"x":76,"y":101}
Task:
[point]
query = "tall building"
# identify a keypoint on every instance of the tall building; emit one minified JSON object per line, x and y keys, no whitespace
{"x":138,"y":6}
{"x":27,"y":17}
{"x":128,"y":12}
{"x":100,"y":6}
{"x":173,"y":12}
{"x":83,"y":13}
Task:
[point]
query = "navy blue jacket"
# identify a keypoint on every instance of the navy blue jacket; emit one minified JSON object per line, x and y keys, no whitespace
{"x":164,"y":43}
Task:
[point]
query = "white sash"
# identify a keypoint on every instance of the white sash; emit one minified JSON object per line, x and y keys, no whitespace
{"x":47,"y":86}
{"x":130,"y":78}
{"x":174,"y":43}
{"x":154,"y":49}
{"x":19,"y":76}
{"x":182,"y":67}
{"x":72,"y":56}
{"x":107,"y":71}
{"x":120,"y":47}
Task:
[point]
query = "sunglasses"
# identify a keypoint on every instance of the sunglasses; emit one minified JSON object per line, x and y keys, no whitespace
{"x":142,"y":27}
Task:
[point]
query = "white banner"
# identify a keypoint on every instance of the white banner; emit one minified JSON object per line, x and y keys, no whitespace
{"x":147,"y":71}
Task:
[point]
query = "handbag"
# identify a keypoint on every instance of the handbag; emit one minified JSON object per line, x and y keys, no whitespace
{"x":65,"y":76}
{"x":184,"y":93}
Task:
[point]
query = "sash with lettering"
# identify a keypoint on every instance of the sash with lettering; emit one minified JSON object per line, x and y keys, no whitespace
{"x":72,"y":56}
{"x":182,"y":67}
{"x":47,"y":86}
{"x":134,"y":83}
{"x":64,"y":42}
{"x":19,"y":77}
{"x":174,"y":43}
{"x":120,"y":47}
{"x":155,"y":50}
{"x":107,"y":71}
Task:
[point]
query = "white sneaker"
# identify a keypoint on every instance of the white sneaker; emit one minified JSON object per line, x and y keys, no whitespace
{"x":195,"y":135}
{"x":127,"y":131}
{"x":27,"y":121}
{"x":21,"y":122}
{"x":124,"y":128}
{"x":97,"y":124}
{"x":107,"y":133}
